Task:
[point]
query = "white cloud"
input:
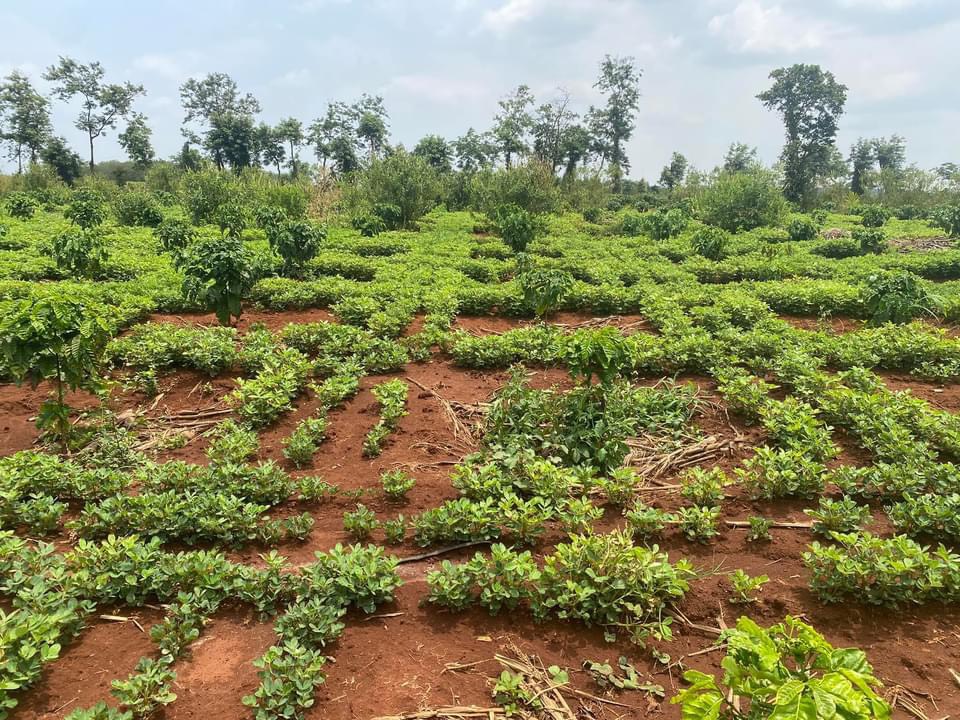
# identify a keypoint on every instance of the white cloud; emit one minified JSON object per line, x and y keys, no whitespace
{"x":300,"y":77}
{"x":883,"y":4}
{"x":762,"y":27}
{"x":511,"y":13}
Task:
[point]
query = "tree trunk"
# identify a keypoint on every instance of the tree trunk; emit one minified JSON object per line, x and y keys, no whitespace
{"x":91,"y":153}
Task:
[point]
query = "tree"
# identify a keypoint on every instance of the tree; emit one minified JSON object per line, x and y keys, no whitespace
{"x":49,"y":337}
{"x":188,"y":158}
{"x":613,"y":125}
{"x":224,"y":115}
{"x":891,"y":153}
{"x":64,"y":161}
{"x":673,"y":173}
{"x":862,"y":158}
{"x":233,"y":141}
{"x":740,"y":157}
{"x":576,"y":147}
{"x":403,"y":181}
{"x":135,"y":141}
{"x":290,"y":131}
{"x":554,"y":121}
{"x":370,"y":117}
{"x":103,"y":104}
{"x":24,"y":119}
{"x":474,"y":151}
{"x":270,"y":146}
{"x":436,"y":151}
{"x":334,"y":139}
{"x":512,"y":124}
{"x":810,"y":100}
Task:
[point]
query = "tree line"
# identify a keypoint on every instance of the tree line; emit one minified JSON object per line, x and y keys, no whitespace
{"x":220,"y":126}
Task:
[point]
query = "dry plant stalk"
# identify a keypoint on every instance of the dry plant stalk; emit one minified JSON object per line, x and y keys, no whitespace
{"x":657,"y":464}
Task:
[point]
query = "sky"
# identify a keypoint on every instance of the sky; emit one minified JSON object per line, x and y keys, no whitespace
{"x":442,"y":65}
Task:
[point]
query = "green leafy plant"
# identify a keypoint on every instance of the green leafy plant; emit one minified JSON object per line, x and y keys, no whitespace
{"x":21,"y":205}
{"x":759,"y":530}
{"x":148,"y":689}
{"x":703,"y":487}
{"x":289,"y":675}
{"x":710,"y":242}
{"x":843,"y":515}
{"x":896,"y":297}
{"x":57,"y":339}
{"x":395,"y":530}
{"x":787,"y":670}
{"x":873,"y":241}
{"x":216,"y":275}
{"x":803,"y":228}
{"x":874,"y":216}
{"x":361,"y":522}
{"x":746,"y":587}
{"x":80,"y":252}
{"x":396,"y":484}
{"x":698,"y":523}
{"x":300,"y":447}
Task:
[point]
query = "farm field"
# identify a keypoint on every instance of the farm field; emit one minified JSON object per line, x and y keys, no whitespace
{"x":424,"y":451}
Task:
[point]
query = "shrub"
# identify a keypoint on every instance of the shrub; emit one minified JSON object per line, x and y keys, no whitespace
{"x":896,"y":297}
{"x":174,"y":235}
{"x":947,"y":218}
{"x":80,"y":252}
{"x":662,"y":225}
{"x":802,"y":228}
{"x":406,"y":182}
{"x":137,"y":208}
{"x":710,"y":242}
{"x":530,"y":186}
{"x":296,"y":242}
{"x":368,"y":224}
{"x":874,"y":216}
{"x":516,"y":226}
{"x":203,"y":192}
{"x":21,"y":205}
{"x":86,"y":209}
{"x":592,"y":214}
{"x":872,"y":241}
{"x":742,"y":201}
{"x":216,"y":275}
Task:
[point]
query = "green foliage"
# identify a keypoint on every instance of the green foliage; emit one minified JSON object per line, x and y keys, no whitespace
{"x":261,"y":400}
{"x":516,"y":226}
{"x":947,"y":218}
{"x":882,"y":571}
{"x":303,"y":442}
{"x":745,"y":587}
{"x":174,"y":235}
{"x":787,"y":670}
{"x":296,"y":242}
{"x":147,"y":690}
{"x":81,"y":253}
{"x":648,"y":522}
{"x":843,"y":515}
{"x":603,"y":353}
{"x":392,"y":396}
{"x":777,"y":473}
{"x":703,"y":487}
{"x":896,"y":297}
{"x":544,"y":290}
{"x":710,"y":242}
{"x":742,"y":201}
{"x":759,"y":530}
{"x":44,"y":338}
{"x":872,"y":241}
{"x":86,"y":209}
{"x":396,"y":484}
{"x":874,"y":216}
{"x":216,"y":275}
{"x":698,"y":523}
{"x":289,"y":675}
{"x":21,"y":205}
{"x":406,"y":182}
{"x":137,"y":208}
{"x":803,"y":228}
{"x":361,"y":522}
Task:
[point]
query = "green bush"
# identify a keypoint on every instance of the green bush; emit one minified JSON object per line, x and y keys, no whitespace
{"x":874,"y":216}
{"x":896,"y":297}
{"x":947,"y":218}
{"x":742,"y":201}
{"x":137,"y":208}
{"x":403,"y":186}
{"x":710,"y":242}
{"x":21,"y":205}
{"x":872,"y":241}
{"x":802,"y":228}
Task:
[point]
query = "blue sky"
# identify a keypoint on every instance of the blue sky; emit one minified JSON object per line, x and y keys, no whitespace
{"x":441,"y":65}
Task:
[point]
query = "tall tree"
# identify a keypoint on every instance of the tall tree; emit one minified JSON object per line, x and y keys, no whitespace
{"x":674,"y":172}
{"x":222,"y":113}
{"x":613,"y":124}
{"x":576,"y":147}
{"x":103,"y":103}
{"x":290,"y":131}
{"x":474,"y":151}
{"x":270,"y":146}
{"x":740,"y":157}
{"x":24,"y":119}
{"x":512,"y":123}
{"x":862,"y":158}
{"x":436,"y":151}
{"x":371,"y":124}
{"x":333,"y":138}
{"x":553,"y":122}
{"x":891,"y":153}
{"x":810,"y":100}
{"x":135,"y":140}
{"x":233,"y":141}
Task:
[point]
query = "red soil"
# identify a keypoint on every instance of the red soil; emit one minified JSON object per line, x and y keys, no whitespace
{"x":397,"y":662}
